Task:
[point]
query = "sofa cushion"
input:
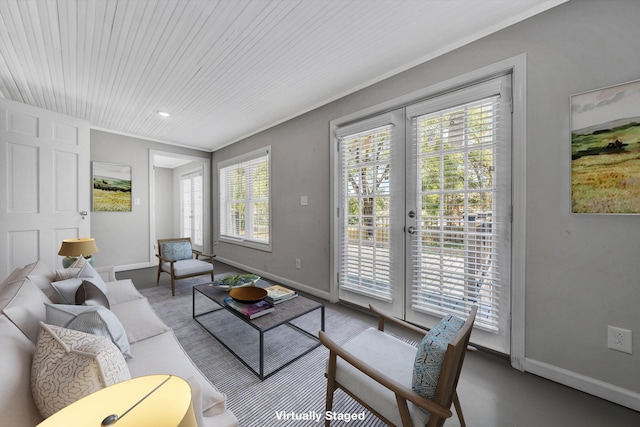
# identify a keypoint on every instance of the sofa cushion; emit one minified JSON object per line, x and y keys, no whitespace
{"x":430,"y":355}
{"x":42,"y":275}
{"x":23,"y":303}
{"x":38,"y":272}
{"x":139,"y":320}
{"x":122,"y":291}
{"x":172,"y":359}
{"x":89,"y":294}
{"x":91,"y":319}
{"x":176,"y":251}
{"x":16,"y":401}
{"x":69,"y":365}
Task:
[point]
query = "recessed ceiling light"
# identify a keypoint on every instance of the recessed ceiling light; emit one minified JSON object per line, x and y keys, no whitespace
{"x":163,"y":114}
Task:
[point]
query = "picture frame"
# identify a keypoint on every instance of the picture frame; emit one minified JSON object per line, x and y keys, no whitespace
{"x":111,"y":189}
{"x":605,"y":150}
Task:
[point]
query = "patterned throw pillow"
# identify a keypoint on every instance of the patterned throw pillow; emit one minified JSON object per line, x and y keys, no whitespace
{"x":69,"y":365}
{"x":430,"y":355}
{"x":176,"y":251}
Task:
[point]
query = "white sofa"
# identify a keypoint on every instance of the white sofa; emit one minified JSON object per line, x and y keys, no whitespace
{"x":154,"y":346}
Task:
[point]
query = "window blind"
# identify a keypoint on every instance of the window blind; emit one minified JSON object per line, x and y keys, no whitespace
{"x":457,"y":261}
{"x":366,"y":242}
{"x":245,"y":198}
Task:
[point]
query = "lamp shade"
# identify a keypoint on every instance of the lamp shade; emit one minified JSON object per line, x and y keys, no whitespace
{"x":78,"y":246}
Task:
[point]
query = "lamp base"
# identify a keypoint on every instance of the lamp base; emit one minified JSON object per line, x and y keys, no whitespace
{"x":68,"y":260}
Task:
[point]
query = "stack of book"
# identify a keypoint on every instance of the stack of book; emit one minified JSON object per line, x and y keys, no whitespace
{"x":277,"y":294}
{"x":250,"y":311}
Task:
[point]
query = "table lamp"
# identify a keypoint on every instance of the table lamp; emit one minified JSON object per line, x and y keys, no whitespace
{"x":154,"y":400}
{"x":71,"y":249}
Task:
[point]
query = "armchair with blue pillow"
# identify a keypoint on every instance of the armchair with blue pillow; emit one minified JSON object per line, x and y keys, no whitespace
{"x":399,"y":383}
{"x":177,"y":258}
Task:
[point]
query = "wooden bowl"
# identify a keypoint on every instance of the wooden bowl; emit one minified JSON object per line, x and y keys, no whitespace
{"x":248,"y":294}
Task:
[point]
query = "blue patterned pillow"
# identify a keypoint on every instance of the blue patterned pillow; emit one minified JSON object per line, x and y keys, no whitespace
{"x":430,"y":355}
{"x":176,"y":251}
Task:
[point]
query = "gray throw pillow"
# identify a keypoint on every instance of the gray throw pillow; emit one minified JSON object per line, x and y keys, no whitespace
{"x":90,"y":294}
{"x":92,"y":319}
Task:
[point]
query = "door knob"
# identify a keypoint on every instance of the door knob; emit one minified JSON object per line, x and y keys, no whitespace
{"x":83,"y":214}
{"x":411,"y":230}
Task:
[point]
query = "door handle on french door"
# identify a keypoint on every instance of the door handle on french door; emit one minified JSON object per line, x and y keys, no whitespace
{"x":411,"y":230}
{"x":83,"y":214}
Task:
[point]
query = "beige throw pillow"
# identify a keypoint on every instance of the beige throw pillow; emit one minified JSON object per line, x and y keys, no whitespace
{"x":69,"y":365}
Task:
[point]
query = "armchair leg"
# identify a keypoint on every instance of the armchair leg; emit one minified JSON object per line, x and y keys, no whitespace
{"x":173,"y":286}
{"x":456,"y":403}
{"x":331,"y":385}
{"x":159,"y":271}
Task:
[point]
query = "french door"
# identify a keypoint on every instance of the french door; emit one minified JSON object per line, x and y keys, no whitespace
{"x":424,"y":210}
{"x":191,"y":212}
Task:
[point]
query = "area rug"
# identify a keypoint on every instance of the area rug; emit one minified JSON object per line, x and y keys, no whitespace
{"x":293,"y":396}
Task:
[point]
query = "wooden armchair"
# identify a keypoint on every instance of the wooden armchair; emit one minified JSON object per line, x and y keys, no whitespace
{"x":376,"y":369}
{"x":176,"y":258}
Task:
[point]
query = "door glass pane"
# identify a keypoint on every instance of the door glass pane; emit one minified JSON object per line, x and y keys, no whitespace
{"x":453,"y":251}
{"x":366,"y":240}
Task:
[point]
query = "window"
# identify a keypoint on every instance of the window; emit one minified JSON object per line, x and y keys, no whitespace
{"x":245,"y":203}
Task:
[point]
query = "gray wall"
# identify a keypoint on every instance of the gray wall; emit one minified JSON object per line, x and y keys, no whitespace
{"x":582,"y":271}
{"x":164,"y":203}
{"x":123,"y":237}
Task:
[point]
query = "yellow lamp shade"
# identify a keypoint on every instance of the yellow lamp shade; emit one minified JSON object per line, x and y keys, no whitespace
{"x":154,"y":400}
{"x":78,"y":246}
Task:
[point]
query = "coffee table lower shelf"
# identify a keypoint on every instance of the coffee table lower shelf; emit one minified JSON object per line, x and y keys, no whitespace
{"x":278,"y":322}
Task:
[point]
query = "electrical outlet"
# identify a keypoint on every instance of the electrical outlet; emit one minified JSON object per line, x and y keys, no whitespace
{"x":298,"y":263}
{"x":619,"y":339}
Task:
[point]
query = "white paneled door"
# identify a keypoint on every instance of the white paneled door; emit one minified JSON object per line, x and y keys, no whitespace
{"x":45,"y":184}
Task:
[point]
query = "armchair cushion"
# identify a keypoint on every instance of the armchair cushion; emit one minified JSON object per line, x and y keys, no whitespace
{"x":188,"y":267}
{"x":430,"y":355}
{"x":389,"y":356}
{"x":176,"y":251}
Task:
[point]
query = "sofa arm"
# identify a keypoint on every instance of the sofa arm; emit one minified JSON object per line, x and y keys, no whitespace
{"x":108,"y":273}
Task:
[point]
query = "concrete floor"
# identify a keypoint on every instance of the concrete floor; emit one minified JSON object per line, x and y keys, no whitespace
{"x":492,"y":394}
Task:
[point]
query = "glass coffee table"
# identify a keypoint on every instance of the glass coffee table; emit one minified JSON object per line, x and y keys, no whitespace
{"x":284,"y":335}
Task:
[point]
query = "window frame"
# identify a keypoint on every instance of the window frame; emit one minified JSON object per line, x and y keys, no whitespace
{"x":223,"y":214}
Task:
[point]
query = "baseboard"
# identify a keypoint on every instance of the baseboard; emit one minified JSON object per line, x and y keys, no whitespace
{"x":282,"y":280}
{"x":134,"y":266}
{"x":586,"y":384}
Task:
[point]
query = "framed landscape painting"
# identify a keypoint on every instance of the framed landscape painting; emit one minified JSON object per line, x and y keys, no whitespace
{"x":605,"y":150}
{"x":111,"y":187}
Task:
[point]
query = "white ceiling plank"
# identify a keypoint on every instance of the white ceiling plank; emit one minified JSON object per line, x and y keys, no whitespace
{"x":223,"y":69}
